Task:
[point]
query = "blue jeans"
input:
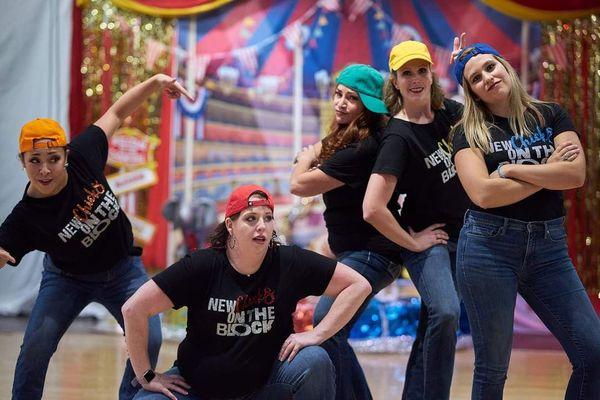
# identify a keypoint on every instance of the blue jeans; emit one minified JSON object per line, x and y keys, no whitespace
{"x":500,"y":257}
{"x":380,"y":272}
{"x":431,"y":362}
{"x":61,"y":298}
{"x":309,"y":376}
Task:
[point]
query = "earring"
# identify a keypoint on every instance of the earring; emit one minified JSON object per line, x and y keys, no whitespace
{"x":231,"y":242}
{"x":66,"y":164}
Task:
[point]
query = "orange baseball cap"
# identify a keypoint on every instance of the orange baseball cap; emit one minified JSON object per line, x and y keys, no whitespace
{"x":41,"y":133}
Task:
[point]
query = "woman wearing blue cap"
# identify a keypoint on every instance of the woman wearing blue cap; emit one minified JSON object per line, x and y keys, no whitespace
{"x":343,"y":161}
{"x":414,"y":158}
{"x":514,"y":155}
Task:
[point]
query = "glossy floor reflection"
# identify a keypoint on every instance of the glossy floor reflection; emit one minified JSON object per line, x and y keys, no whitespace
{"x":89,"y":366}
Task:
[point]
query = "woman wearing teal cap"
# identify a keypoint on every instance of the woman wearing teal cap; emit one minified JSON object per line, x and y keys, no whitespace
{"x":414,"y":158}
{"x":338,"y":167}
{"x":514,"y":156}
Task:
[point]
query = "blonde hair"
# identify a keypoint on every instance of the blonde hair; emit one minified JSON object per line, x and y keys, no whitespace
{"x":393,"y":99}
{"x":475,"y":119}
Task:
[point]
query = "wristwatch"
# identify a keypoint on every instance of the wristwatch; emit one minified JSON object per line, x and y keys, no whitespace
{"x":147,"y":377}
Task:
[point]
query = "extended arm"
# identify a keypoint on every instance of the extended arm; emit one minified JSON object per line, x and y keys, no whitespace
{"x":350,"y":290}
{"x":134,"y":97}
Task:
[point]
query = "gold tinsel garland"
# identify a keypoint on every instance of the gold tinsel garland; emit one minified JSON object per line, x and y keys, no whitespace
{"x":115,"y":43}
{"x":114,"y":60}
{"x":575,"y":84}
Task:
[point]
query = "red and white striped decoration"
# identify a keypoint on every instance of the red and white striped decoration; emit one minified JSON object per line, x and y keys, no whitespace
{"x":330,"y":5}
{"x":293,"y":35}
{"x":154,"y":49}
{"x":558,"y":53}
{"x":247,"y":58}
{"x":202,"y":61}
{"x":358,"y":8}
{"x":400,"y":34}
{"x":441,"y":61}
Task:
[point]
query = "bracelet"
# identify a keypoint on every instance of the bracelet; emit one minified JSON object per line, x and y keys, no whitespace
{"x":500,"y":173}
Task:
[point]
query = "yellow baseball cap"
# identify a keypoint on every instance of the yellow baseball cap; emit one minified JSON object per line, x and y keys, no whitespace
{"x":41,"y":133}
{"x":406,"y":51}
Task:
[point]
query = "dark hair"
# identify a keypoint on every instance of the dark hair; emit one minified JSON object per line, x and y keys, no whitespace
{"x":360,"y":128}
{"x":219,"y":236}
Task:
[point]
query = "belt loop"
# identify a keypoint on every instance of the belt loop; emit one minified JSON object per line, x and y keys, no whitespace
{"x":504,"y":226}
{"x":546,"y":230}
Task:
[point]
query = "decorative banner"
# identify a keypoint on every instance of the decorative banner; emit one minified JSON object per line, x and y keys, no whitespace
{"x":143,"y":230}
{"x":544,"y":10}
{"x":170,"y":8}
{"x":131,"y":181}
{"x":130,"y":148}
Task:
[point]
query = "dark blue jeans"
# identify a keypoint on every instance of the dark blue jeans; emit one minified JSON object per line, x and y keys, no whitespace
{"x":350,"y":379}
{"x":431,"y":362}
{"x":309,"y":376}
{"x":499,"y":257}
{"x":61,"y":298}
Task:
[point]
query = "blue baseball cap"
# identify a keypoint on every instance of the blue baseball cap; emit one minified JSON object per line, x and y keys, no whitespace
{"x":466,"y":54}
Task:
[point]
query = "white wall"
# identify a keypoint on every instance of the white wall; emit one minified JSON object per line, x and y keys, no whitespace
{"x":35,"y":43}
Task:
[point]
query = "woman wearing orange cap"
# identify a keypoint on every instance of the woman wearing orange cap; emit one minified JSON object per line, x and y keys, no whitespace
{"x":69,"y":212}
{"x":345,"y":158}
{"x":241,"y":293}
{"x":414,"y":158}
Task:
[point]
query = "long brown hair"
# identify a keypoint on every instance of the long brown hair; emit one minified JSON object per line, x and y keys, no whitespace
{"x":339,"y":136}
{"x":393,"y":99}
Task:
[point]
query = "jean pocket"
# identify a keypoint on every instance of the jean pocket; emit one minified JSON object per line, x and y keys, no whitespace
{"x":557,"y":234}
{"x":483,"y":230}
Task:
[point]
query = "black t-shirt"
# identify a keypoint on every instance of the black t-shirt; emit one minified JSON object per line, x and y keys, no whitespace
{"x":237,"y":324}
{"x":419,"y":155}
{"x":506,"y":147}
{"x":347,"y":229}
{"x":82,"y":228}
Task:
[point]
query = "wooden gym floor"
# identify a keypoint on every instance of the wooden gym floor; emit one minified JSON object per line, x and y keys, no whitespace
{"x":89,"y":366}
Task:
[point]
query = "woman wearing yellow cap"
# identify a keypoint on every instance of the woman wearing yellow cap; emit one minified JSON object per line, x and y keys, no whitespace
{"x":414,"y":158}
{"x":69,"y":212}
{"x":345,"y":158}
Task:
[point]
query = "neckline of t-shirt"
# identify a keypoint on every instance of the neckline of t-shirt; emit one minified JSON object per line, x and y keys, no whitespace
{"x":237,"y":273}
{"x":47,"y":198}
{"x":415,"y":123}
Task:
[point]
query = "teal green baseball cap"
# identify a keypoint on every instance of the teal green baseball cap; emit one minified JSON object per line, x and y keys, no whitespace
{"x":367,"y":82}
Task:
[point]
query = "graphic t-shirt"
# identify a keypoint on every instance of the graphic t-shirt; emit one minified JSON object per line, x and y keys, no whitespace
{"x":419,"y":155}
{"x":347,"y":229}
{"x":508,"y":147}
{"x":237,"y":323}
{"x":82,"y":228}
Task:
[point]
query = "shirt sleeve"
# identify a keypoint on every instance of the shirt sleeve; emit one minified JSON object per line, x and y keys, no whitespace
{"x":186,"y":279}
{"x":351,"y":165}
{"x":459,"y":141}
{"x":391,"y":156}
{"x":14,"y":237}
{"x":92,"y":145}
{"x":308,"y":271}
{"x":561,"y":121}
